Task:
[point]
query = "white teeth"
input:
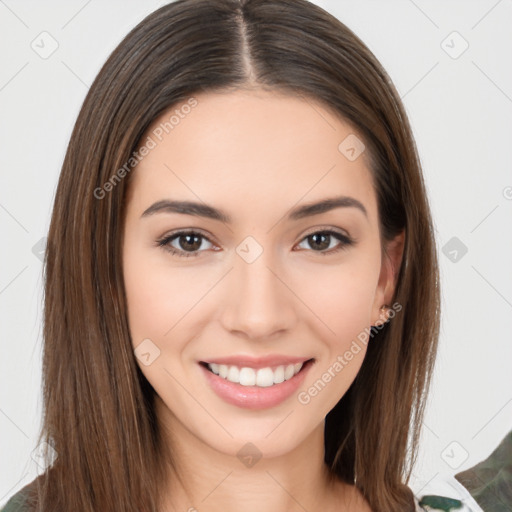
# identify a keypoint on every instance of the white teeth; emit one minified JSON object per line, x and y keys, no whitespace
{"x":233,"y":374}
{"x":263,"y":377}
{"x":247,"y":377}
{"x":288,"y":371}
{"x":279,"y":375}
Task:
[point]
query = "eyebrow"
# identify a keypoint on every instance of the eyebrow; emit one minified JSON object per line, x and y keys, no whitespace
{"x":204,"y":210}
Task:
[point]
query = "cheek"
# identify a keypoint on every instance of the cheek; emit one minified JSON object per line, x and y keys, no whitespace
{"x":158,"y":296}
{"x":160,"y":300}
{"x":340,"y":301}
{"x":341,"y":295}
{"x":341,"y":298}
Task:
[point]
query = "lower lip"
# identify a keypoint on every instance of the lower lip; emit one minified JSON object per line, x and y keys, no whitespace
{"x":254,"y":397}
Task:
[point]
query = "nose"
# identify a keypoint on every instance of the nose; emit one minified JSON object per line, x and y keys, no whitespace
{"x":259,"y":303}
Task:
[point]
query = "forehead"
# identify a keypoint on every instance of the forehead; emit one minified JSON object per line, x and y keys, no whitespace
{"x":264,"y":147}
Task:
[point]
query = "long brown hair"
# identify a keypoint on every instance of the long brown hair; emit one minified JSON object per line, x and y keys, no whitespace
{"x":98,"y":408}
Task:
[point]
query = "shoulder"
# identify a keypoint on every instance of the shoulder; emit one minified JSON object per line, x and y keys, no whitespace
{"x":486,"y":486}
{"x":17,"y":503}
{"x":432,"y":502}
{"x":22,"y":500}
{"x":490,"y":481}
{"x":444,"y":494}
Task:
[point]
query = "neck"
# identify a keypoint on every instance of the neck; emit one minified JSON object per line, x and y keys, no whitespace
{"x":203,"y":478}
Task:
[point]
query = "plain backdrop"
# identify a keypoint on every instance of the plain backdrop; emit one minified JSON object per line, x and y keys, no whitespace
{"x":451,"y":63}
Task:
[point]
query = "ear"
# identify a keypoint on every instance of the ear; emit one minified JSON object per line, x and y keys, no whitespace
{"x":390,"y":266}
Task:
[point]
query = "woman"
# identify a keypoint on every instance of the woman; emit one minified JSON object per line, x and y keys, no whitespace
{"x":241,"y":281}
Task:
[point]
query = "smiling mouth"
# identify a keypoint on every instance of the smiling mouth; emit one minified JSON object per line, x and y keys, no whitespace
{"x":257,"y":377}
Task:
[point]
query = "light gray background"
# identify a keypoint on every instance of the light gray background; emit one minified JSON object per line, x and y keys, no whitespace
{"x":460,"y":107}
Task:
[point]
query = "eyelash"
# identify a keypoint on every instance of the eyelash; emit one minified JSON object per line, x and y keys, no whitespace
{"x":164,"y":242}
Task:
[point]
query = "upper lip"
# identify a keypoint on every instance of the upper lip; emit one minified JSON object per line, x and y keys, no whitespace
{"x":258,"y":362}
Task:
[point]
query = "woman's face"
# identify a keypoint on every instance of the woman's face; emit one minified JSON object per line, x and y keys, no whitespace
{"x":265,"y":281}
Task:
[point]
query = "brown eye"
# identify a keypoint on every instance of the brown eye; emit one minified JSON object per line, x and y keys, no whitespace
{"x":188,"y":243}
{"x":320,"y":241}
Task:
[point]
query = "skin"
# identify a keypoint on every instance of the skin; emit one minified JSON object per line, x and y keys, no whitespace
{"x":256,"y":155}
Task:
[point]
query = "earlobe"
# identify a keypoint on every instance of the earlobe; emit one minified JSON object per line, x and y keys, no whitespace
{"x":384,"y":313}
